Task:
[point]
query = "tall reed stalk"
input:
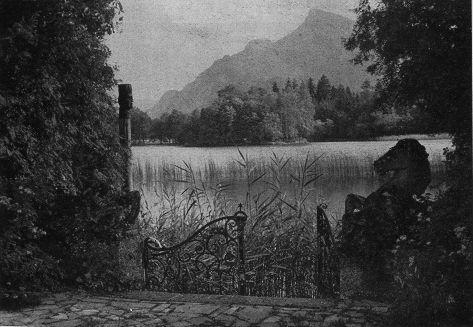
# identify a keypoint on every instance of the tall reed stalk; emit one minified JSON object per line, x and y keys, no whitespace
{"x":281,"y":231}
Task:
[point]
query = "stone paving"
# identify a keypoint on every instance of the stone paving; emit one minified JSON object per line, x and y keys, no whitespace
{"x":180,"y":310}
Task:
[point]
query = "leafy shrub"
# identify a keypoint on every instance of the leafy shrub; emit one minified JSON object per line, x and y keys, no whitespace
{"x":61,"y":164}
{"x":432,"y":267}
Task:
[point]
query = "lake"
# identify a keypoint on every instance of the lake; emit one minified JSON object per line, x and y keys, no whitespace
{"x":344,"y":167}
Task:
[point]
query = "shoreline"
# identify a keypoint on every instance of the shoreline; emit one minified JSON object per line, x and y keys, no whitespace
{"x":441,"y":136}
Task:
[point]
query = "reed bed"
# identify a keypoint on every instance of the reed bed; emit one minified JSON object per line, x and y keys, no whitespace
{"x":279,"y":194}
{"x":281,"y":231}
{"x":337,"y":166}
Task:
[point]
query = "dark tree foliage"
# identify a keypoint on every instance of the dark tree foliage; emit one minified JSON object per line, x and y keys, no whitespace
{"x":61,"y":165}
{"x":421,"y":51}
{"x":323,"y":88}
{"x":312,"y":88}
{"x":140,"y":125}
{"x":259,"y":116}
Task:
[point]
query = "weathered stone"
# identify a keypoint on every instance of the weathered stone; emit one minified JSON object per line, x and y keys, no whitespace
{"x":272,"y":319}
{"x":88,"y":312}
{"x":223,"y":317}
{"x":161,"y":307}
{"x":332,"y":320}
{"x":123,"y":304}
{"x":133,"y":305}
{"x":299,"y":314}
{"x":241,"y":323}
{"x":184,"y":315}
{"x":154,"y":322}
{"x":254,"y":314}
{"x":87,"y":306}
{"x":269,"y":324}
{"x":197,"y":308}
{"x":113,"y":311}
{"x":138,"y":314}
{"x":170,"y":319}
{"x":316,"y":317}
{"x":193,"y":310}
{"x":314,"y":323}
{"x":67,"y":303}
{"x":60,"y":316}
{"x":200,"y":321}
{"x":112,"y":317}
{"x":219,"y":311}
{"x":181,"y":324}
{"x":353,"y":314}
{"x":96,"y":300}
{"x":231,"y":311}
{"x":27,"y":321}
{"x":12,"y":315}
{"x":68,"y":323}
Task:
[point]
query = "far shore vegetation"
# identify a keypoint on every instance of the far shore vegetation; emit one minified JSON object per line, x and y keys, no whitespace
{"x":301,"y":111}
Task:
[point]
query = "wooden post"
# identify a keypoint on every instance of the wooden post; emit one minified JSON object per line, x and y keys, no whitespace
{"x":125,"y":100}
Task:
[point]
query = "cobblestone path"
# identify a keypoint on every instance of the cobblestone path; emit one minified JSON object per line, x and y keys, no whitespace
{"x":179,"y":310}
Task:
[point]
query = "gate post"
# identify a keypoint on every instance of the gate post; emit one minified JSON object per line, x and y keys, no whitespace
{"x":125,"y":100}
{"x":241,"y":255}
{"x":320,"y":248}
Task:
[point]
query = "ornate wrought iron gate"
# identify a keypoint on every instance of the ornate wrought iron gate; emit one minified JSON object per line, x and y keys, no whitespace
{"x":212,"y":261}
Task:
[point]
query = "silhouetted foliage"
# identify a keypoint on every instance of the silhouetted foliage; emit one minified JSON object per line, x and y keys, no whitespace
{"x":421,"y":51}
{"x":61,"y":165}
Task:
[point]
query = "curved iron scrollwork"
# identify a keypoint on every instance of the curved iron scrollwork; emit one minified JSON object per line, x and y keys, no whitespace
{"x":211,"y":261}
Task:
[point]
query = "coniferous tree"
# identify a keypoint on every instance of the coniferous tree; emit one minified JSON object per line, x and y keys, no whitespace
{"x":312,"y":89}
{"x":323,"y":89}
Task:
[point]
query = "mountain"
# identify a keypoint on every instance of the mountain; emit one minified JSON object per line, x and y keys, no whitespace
{"x":312,"y":50}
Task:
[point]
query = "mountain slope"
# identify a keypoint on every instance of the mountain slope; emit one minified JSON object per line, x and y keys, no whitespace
{"x":313,"y":49}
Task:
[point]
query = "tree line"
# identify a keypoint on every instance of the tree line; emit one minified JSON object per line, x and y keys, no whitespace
{"x":301,"y":110}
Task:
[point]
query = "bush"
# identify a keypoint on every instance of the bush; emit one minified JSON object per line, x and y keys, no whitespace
{"x":432,"y":267}
{"x":61,"y":163}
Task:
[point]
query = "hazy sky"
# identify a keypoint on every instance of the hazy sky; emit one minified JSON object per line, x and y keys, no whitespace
{"x":165,"y":44}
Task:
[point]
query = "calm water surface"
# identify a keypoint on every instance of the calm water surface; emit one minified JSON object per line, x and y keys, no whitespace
{"x":346,"y":167}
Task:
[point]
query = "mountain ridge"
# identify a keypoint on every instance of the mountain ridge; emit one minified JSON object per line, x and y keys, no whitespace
{"x":312,"y":50}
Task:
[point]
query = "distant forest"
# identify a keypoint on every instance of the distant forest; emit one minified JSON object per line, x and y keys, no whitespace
{"x":296,"y":111}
